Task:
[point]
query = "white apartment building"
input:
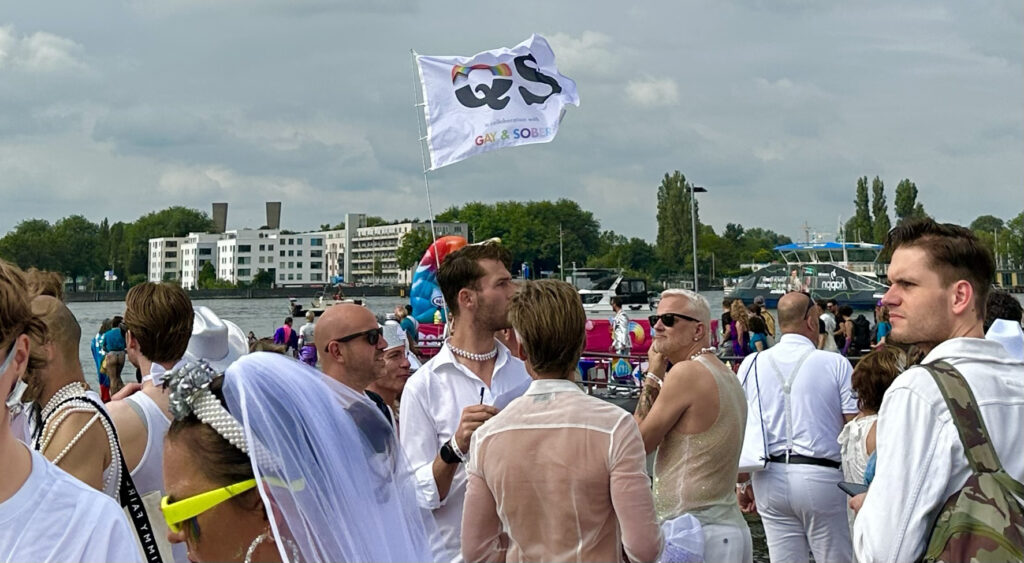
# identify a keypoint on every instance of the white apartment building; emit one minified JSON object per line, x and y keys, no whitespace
{"x":292,"y":259}
{"x":373,"y":250}
{"x":197,"y":250}
{"x":165,"y":258}
{"x":239,"y":254}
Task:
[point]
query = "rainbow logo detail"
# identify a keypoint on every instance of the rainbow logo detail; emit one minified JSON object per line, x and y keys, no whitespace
{"x":638,"y":332}
{"x":621,"y":367}
{"x":497,"y":70}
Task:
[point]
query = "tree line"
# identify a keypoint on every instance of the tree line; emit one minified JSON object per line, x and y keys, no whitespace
{"x":871,"y":221}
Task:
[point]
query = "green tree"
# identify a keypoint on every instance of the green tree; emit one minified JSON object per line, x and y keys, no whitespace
{"x":1014,"y":254}
{"x":860,"y":227}
{"x":207,"y":276}
{"x":674,"y":222}
{"x":263,"y":279}
{"x":987,"y":224}
{"x":881,"y":223}
{"x":77,"y":247}
{"x":905,"y":205}
{"x":412,"y":247}
{"x":31,"y":244}
{"x":171,"y":222}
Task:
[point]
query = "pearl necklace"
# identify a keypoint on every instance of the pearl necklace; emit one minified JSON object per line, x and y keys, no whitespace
{"x":73,"y":390}
{"x":470,"y":355}
{"x":702,"y":351}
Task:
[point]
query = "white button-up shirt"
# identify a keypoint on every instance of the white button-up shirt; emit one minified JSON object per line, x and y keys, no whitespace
{"x":820,"y":396}
{"x":432,"y":404}
{"x":921,"y":461}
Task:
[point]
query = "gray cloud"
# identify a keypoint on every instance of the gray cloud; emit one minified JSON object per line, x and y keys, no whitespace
{"x":119,"y":108}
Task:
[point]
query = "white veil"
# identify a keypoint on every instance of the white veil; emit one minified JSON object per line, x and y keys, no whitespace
{"x":329,"y":494}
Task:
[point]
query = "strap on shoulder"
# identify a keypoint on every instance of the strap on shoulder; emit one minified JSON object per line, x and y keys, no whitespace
{"x":967,"y":418}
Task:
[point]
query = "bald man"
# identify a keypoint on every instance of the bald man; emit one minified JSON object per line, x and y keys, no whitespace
{"x":58,"y":391}
{"x":796,"y":495}
{"x":351,"y":344}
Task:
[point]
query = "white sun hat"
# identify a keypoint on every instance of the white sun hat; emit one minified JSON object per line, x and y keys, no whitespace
{"x":1009,"y":334}
{"x":217,"y":341}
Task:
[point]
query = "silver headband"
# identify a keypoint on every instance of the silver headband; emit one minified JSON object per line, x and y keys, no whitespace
{"x":190,"y":394}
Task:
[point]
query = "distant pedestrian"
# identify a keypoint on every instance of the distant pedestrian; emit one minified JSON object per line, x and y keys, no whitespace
{"x":845,"y":321}
{"x":769,"y":319}
{"x":96,"y":347}
{"x":114,"y":354}
{"x":621,"y":344}
{"x":286,"y":335}
{"x":739,"y":333}
{"x":758,"y":334}
{"x":307,"y":343}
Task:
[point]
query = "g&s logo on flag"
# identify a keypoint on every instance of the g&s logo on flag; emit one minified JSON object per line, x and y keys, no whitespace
{"x":494,"y":99}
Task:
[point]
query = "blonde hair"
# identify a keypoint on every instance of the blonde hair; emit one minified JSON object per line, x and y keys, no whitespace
{"x":739,"y":313}
{"x":42,"y":282}
{"x":159,"y":316}
{"x":550,"y":324}
{"x":698,"y":304}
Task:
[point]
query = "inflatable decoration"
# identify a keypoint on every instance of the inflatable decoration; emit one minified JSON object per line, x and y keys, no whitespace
{"x":425,"y":295}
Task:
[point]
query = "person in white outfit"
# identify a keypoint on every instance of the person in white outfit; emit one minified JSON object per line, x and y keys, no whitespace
{"x":805,"y":399}
{"x":940,"y":275}
{"x":45,"y":513}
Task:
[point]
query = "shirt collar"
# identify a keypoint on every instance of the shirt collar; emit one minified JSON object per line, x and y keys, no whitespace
{"x":973,"y":349}
{"x":544,"y":386}
{"x":798,"y":339}
{"x":157,"y":371}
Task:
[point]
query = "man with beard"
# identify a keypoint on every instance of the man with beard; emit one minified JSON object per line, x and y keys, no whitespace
{"x":454,"y":393}
{"x":941,"y":275}
{"x":694,"y":415}
{"x":351,"y":347}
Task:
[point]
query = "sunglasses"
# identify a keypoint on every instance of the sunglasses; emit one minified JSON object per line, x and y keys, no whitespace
{"x":183,"y":510}
{"x":669,"y":319}
{"x":372,"y":336}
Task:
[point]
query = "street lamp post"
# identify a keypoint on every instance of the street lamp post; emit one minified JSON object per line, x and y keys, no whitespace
{"x":693,"y":227}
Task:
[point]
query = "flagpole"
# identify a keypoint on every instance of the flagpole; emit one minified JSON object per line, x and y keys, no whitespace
{"x":417,"y":104}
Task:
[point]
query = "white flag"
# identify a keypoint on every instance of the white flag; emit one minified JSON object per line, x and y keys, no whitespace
{"x":495,"y":99}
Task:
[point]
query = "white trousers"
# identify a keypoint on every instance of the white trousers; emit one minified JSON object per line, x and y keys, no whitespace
{"x":727,"y":543}
{"x":803,"y":511}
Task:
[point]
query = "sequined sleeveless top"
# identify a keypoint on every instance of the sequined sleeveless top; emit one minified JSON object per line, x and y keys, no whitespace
{"x":696,"y":473}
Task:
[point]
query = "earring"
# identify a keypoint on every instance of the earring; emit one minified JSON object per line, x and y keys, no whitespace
{"x":256,"y":543}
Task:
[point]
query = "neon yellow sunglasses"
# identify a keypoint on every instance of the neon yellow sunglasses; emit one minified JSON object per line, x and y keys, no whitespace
{"x":179,"y":511}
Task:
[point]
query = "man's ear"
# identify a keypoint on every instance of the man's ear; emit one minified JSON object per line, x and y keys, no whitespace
{"x":467,"y":298}
{"x":962,"y":297}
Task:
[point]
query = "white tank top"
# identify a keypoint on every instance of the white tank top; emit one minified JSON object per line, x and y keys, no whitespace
{"x":148,"y":475}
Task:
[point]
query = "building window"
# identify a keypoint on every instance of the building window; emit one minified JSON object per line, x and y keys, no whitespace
{"x":172,"y":244}
{"x":263,"y":247}
{"x":245,"y":260}
{"x":270,"y":247}
{"x":316,"y":253}
{"x":316,"y":277}
{"x":298,"y":277}
{"x":316,"y":241}
{"x":298,"y":264}
{"x":291,"y":264}
{"x":281,"y":277}
{"x":282,"y":253}
{"x":245,"y":248}
{"x":261,"y":259}
{"x":298,"y":241}
{"x":243,"y":272}
{"x":316,"y":265}
{"x":291,"y":277}
{"x":298,"y":252}
{"x":205,"y":251}
{"x":291,"y":253}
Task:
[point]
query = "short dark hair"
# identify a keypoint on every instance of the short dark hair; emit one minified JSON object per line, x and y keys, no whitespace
{"x":287,"y":320}
{"x":616,"y":301}
{"x":954,"y":251}
{"x":757,"y":325}
{"x":846,"y":311}
{"x":1001,"y":305}
{"x":461,"y":269}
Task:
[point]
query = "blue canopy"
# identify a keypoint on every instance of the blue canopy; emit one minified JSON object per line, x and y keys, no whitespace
{"x":828,"y":246}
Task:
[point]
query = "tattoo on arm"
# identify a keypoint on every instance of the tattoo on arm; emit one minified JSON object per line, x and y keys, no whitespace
{"x":646,"y":401}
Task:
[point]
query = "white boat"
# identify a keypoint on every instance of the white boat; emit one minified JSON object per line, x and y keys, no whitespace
{"x":597,"y":286}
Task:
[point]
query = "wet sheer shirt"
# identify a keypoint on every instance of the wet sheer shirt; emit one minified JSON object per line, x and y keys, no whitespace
{"x":696,"y":473}
{"x":559,"y":476}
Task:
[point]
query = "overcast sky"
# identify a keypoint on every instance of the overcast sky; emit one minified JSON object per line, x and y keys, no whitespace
{"x":115,"y":108}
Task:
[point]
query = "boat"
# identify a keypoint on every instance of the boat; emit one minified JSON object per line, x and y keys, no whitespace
{"x":597,"y":286}
{"x":318,"y":305}
{"x":848,"y":273}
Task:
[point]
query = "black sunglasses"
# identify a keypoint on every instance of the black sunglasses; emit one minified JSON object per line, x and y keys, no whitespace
{"x":372,"y":336}
{"x":669,"y":319}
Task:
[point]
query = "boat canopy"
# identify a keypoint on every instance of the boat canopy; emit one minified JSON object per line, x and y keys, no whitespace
{"x":830,"y":252}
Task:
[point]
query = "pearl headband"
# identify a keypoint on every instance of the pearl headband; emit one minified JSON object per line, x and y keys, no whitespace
{"x":190,"y":394}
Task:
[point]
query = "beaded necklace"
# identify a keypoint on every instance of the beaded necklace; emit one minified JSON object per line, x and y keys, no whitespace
{"x":470,"y":355}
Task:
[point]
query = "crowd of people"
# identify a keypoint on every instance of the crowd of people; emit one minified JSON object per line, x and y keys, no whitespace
{"x":336,"y":445}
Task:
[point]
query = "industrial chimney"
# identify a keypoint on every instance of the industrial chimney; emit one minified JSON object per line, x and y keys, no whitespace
{"x":220,"y":217}
{"x":273,"y":214}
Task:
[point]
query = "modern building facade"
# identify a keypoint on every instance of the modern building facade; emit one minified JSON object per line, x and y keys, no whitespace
{"x":165,"y":259}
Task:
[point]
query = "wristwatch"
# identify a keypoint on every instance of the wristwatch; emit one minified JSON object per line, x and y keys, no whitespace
{"x":448,"y":454}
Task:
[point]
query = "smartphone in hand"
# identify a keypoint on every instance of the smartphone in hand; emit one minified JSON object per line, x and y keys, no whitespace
{"x":852,"y":489}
